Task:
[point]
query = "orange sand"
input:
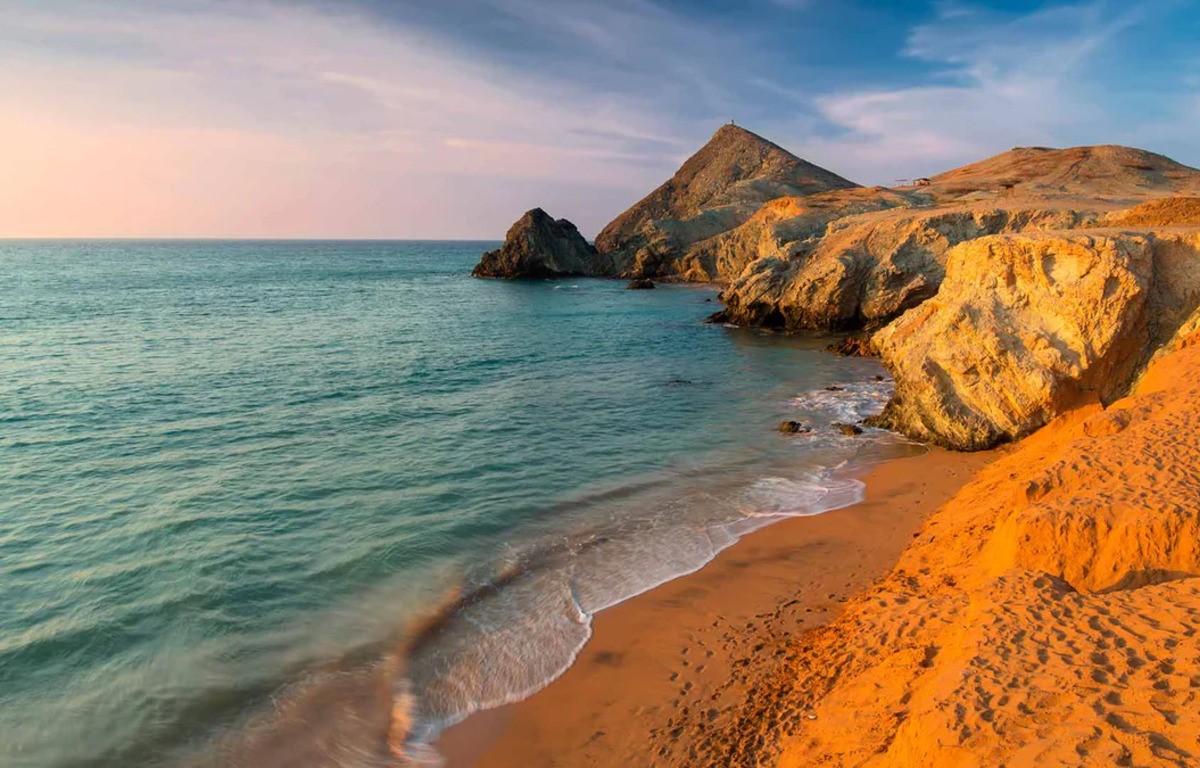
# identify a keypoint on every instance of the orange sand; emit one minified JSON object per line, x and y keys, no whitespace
{"x":1048,"y":615}
{"x":687,"y":640}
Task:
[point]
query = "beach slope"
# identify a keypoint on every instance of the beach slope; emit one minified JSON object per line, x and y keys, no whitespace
{"x":1047,"y":615}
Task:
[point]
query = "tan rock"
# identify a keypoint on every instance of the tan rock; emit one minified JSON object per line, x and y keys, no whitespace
{"x":1104,"y":171}
{"x":1024,"y":327}
{"x":716,"y":189}
{"x":869,"y":268}
{"x":782,"y":228}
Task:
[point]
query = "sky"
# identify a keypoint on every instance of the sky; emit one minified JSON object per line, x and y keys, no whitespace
{"x":450,"y":118}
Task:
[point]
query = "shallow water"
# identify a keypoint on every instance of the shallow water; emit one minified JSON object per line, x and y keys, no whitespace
{"x":278,"y":503}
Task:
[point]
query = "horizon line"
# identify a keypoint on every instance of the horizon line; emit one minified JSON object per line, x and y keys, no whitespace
{"x":251,"y":239}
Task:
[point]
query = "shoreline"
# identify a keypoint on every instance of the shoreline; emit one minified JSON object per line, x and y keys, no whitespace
{"x":679,"y":642}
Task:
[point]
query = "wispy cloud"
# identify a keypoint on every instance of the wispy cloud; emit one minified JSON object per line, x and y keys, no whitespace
{"x":998,"y":80}
{"x":411,"y":118}
{"x":346,"y":103}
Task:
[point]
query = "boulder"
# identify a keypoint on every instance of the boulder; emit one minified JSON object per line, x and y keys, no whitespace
{"x":537,"y":245}
{"x":792,"y":428}
{"x":850,"y":430}
{"x":1024,"y":327}
{"x":640,"y":284}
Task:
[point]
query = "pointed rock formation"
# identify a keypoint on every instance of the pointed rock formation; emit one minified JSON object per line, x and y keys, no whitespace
{"x":715,"y":190}
{"x":539,"y":246}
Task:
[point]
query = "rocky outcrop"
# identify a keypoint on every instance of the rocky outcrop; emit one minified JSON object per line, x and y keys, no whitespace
{"x":715,"y":190}
{"x":537,"y":245}
{"x":783,"y":228}
{"x":1024,"y":327}
{"x":870,"y":268}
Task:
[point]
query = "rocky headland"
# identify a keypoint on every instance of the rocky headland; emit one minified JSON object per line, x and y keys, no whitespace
{"x":1049,"y":613}
{"x":999,"y":294}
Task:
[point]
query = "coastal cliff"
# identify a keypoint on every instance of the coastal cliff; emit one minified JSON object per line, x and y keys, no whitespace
{"x":718,"y":188}
{"x":1043,"y":301}
{"x":1028,"y":326}
{"x":1001,"y":293}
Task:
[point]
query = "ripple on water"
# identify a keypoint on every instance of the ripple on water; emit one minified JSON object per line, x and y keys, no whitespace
{"x":241,"y":477}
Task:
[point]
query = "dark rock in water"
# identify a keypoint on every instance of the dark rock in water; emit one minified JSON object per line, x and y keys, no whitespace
{"x":539,"y":246}
{"x":879,"y":378}
{"x":640,"y":284}
{"x":847,"y":429}
{"x":853,"y":346}
{"x":717,"y":317}
{"x":679,"y":383}
{"x":792,"y":428}
{"x":835,"y":389}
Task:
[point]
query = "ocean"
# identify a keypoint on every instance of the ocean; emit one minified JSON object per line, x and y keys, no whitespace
{"x":307,"y":503}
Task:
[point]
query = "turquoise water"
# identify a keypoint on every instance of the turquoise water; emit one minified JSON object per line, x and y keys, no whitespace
{"x":245,"y":486}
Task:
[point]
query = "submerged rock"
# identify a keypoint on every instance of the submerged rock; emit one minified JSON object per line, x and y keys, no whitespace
{"x":537,"y":245}
{"x":847,"y":429}
{"x":640,"y":284}
{"x":793,"y":428}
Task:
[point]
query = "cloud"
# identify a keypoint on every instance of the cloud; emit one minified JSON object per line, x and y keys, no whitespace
{"x":997,"y":81}
{"x":405,"y":118}
{"x":270,"y":94}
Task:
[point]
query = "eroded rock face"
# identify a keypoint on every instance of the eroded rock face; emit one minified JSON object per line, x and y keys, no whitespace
{"x":782,"y":228}
{"x":715,"y":190}
{"x":537,"y":245}
{"x":1024,"y":327}
{"x":870,"y":268}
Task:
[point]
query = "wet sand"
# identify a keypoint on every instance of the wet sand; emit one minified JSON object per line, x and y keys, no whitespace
{"x":677,"y":652}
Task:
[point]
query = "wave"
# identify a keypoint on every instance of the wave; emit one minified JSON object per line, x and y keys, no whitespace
{"x":519,"y":617}
{"x":503,"y":640}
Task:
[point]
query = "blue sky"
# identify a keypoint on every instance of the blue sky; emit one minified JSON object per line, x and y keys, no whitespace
{"x":416,"y":118}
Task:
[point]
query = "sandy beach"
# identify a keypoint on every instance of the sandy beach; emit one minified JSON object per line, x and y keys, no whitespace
{"x":680,"y":648}
{"x":1034,"y":605}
